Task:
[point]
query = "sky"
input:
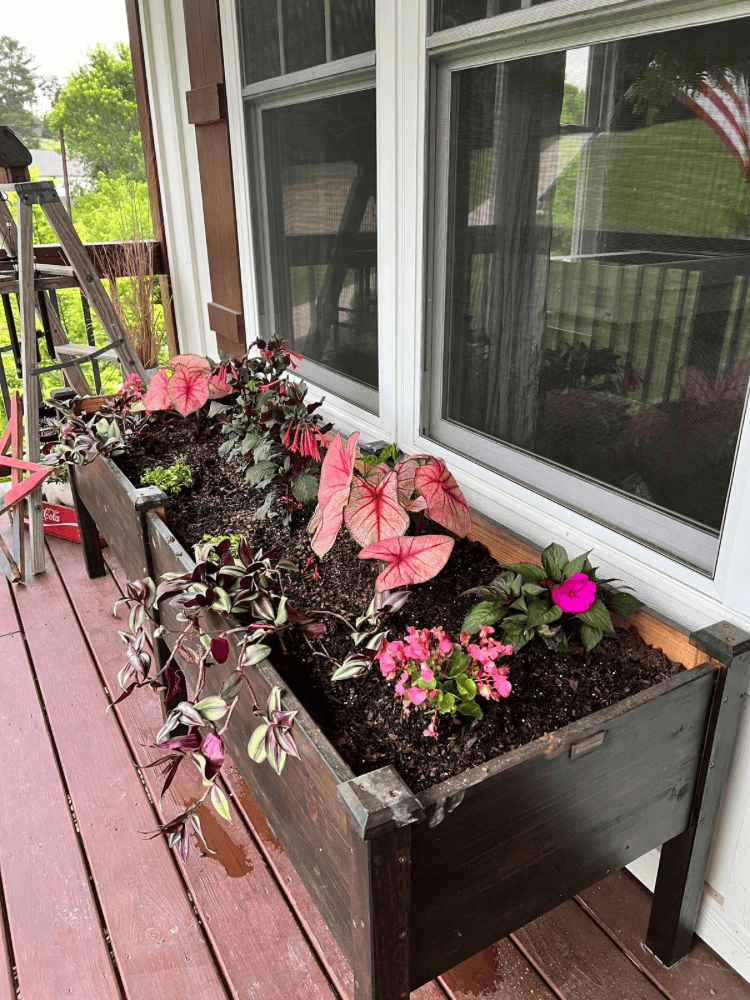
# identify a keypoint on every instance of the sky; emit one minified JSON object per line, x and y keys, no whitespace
{"x":59,"y":33}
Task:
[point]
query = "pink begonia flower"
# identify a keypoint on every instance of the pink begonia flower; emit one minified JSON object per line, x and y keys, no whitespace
{"x":503,"y":686}
{"x":387,"y":665}
{"x":426,"y":673}
{"x":576,"y":594}
{"x":400,"y":691}
{"x":416,"y":696}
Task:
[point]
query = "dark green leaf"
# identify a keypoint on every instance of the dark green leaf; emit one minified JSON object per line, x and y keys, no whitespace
{"x":305,"y":488}
{"x":470,"y":708}
{"x":554,"y":560}
{"x":621,"y":603}
{"x":528,"y":572}
{"x":590,"y":636}
{"x":484,"y":613}
{"x":255,"y":474}
{"x":597,"y":616}
{"x":576,"y":565}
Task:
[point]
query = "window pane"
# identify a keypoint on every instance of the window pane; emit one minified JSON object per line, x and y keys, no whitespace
{"x":304,"y":34}
{"x":320,"y":176}
{"x":598,"y":268}
{"x":352,"y":27}
{"x":259,"y":33}
{"x":451,"y":13}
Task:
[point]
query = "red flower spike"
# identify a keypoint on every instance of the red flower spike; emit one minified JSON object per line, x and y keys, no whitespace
{"x":445,"y":501}
{"x":335,"y":481}
{"x":409,"y":560}
{"x":373,"y":511}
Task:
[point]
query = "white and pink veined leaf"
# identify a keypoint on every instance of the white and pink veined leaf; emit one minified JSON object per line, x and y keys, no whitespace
{"x":406,"y":472}
{"x":411,"y":559}
{"x":373,"y":511}
{"x":377,"y":473}
{"x":445,"y":501}
{"x":333,"y":493}
{"x":157,"y":397}
{"x":193,"y":362}
{"x":188,"y":389}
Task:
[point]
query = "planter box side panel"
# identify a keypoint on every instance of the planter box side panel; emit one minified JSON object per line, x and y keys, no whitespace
{"x":301,"y":805}
{"x":542,"y":824}
{"x":110,"y":498}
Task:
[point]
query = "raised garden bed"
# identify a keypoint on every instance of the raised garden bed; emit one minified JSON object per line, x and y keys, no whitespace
{"x":412,"y":884}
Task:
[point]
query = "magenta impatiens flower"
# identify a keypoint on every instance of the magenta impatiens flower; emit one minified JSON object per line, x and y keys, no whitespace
{"x":576,"y":594}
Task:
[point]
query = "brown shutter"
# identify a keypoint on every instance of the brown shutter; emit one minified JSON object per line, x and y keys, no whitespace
{"x":207,"y":110}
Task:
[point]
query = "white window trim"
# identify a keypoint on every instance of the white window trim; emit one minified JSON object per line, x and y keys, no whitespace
{"x":344,"y":75}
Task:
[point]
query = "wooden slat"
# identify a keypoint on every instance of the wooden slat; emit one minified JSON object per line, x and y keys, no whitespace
{"x":571,"y":952}
{"x":270,"y":956}
{"x":109,"y":259}
{"x":621,"y":905}
{"x":500,"y":972}
{"x":47,"y":892}
{"x":158,"y":945}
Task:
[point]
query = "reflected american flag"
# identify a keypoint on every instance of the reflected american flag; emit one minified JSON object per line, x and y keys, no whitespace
{"x":723,"y":103}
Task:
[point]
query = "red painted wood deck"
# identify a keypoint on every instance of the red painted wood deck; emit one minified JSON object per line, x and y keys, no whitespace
{"x":94,"y":910}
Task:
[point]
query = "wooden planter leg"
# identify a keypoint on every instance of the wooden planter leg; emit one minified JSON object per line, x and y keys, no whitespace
{"x":381,"y":807}
{"x":683,"y":862}
{"x":88,"y":531}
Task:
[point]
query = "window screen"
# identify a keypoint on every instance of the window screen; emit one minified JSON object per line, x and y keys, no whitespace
{"x":596,"y":266}
{"x":319,"y":159}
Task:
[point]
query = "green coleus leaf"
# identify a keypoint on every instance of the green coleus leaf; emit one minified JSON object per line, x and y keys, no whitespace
{"x":305,"y":488}
{"x":590,"y":636}
{"x":597,"y":616}
{"x":575,"y":565}
{"x":484,"y":613}
{"x":528,"y":572}
{"x":620,"y":603}
{"x":554,"y":560}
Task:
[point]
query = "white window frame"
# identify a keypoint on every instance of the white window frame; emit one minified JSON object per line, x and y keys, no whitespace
{"x":406,"y":54}
{"x":376,"y":417}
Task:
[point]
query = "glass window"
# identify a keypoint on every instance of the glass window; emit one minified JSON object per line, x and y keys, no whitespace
{"x":319,"y":159}
{"x":451,"y":13}
{"x":286,"y":36}
{"x":597,"y":270}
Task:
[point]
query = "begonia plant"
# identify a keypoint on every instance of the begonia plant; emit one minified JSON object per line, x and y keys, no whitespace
{"x":551,"y":602}
{"x":436,"y":675}
{"x":376,"y":505}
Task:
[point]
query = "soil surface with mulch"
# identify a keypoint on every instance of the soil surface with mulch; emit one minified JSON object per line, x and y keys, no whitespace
{"x":361,"y":717}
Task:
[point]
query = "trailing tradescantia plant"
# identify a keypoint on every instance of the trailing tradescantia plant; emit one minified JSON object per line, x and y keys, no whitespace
{"x":376,"y":506}
{"x":247,"y":585}
{"x":550,"y":602}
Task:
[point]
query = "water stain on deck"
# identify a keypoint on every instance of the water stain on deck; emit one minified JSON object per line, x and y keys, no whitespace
{"x":231,"y":856}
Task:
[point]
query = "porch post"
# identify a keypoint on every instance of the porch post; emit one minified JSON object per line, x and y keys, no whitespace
{"x":682,"y":867}
{"x":381,"y":807}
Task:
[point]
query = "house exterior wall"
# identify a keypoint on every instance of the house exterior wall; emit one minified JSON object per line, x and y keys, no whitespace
{"x":402,"y":86}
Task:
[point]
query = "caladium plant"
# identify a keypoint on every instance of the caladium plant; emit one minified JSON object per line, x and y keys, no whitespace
{"x":376,"y":504}
{"x":185,"y":383}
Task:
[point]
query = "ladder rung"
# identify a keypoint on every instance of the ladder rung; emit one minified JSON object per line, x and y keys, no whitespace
{"x":83,"y":351}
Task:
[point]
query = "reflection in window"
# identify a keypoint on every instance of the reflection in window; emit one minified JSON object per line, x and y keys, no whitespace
{"x":597,"y":310}
{"x":285,"y":36}
{"x":320,"y":188}
{"x":451,"y":13}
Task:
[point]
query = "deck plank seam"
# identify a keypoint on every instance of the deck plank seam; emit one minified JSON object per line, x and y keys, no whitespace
{"x":68,"y":801}
{"x":641,"y":966}
{"x":308,"y":937}
{"x":211,"y":945}
{"x":12,"y":968}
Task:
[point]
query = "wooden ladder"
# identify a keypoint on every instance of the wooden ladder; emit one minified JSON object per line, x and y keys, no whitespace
{"x":30,"y":285}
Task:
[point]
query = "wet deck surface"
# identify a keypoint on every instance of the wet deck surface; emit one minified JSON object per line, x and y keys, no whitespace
{"x":93,"y":909}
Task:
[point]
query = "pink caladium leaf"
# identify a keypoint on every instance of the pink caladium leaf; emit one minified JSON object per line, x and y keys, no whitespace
{"x":409,"y":560}
{"x":373,"y":511}
{"x":335,"y":482}
{"x":697,"y":386}
{"x":377,"y":473}
{"x":734,"y":385}
{"x":406,"y":472}
{"x":157,"y":397}
{"x":217,"y":383}
{"x":445,"y":501}
{"x":193,"y":362}
{"x":188,"y":389}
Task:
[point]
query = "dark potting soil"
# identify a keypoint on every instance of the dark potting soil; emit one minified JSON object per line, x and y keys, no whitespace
{"x":360,"y":717}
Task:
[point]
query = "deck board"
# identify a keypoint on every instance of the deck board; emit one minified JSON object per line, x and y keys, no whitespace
{"x":162,"y":954}
{"x":262,"y":937}
{"x":234,"y":885}
{"x":47,"y":894}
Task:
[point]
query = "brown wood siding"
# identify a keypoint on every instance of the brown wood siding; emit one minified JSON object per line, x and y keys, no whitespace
{"x":206,"y":64}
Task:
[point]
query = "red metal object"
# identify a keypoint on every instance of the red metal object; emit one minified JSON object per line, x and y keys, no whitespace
{"x":61,"y":522}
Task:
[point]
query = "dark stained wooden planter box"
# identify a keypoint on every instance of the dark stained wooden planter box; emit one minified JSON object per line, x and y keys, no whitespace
{"x":411,"y":885}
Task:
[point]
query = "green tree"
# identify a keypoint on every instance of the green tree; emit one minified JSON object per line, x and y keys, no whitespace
{"x":573,"y":104}
{"x":18,"y":82}
{"x":97,"y":112}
